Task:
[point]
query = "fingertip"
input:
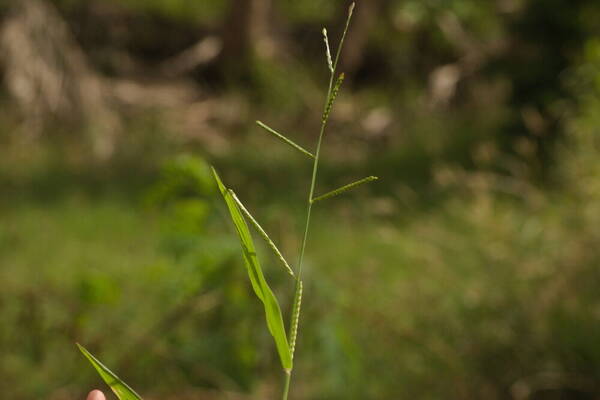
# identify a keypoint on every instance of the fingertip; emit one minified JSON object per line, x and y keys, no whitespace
{"x":96,"y":395}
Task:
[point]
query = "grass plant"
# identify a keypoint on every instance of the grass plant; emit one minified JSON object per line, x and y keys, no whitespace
{"x":285,"y":340}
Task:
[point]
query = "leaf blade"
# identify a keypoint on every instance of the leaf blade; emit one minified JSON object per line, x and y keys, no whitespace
{"x":273,"y":314}
{"x":120,"y":388}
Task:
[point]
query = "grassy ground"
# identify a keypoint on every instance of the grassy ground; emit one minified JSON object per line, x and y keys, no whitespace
{"x":474,"y":283}
{"x":76,"y":269}
{"x":484,"y":293}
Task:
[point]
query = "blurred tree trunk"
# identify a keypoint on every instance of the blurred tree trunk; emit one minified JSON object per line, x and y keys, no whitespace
{"x":236,"y":31}
{"x":244,"y":32}
{"x":48,"y":75}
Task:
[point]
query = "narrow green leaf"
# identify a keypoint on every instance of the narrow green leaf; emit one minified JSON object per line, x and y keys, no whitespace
{"x":262,"y":233}
{"x":257,"y":279}
{"x":285,"y":139}
{"x":120,"y":388}
{"x":344,"y":188}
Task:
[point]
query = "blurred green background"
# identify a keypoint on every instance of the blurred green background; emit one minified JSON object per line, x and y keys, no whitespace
{"x":469,"y":271}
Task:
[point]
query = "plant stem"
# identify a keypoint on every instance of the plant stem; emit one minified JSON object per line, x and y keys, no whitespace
{"x":311,"y":193}
{"x":313,"y":181}
{"x":286,"y":385}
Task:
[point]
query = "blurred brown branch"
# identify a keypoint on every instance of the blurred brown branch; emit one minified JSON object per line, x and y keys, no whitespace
{"x":48,"y":75}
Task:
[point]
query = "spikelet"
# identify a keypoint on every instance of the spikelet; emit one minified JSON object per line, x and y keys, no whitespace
{"x":327,"y":50}
{"x":344,"y":188}
{"x":295,"y":318}
{"x":334,"y":93}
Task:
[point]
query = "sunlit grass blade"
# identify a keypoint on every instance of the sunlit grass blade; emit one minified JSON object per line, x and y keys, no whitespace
{"x":285,"y":139}
{"x":120,"y":388}
{"x":345,"y":188}
{"x":259,"y":284}
{"x":262,"y":233}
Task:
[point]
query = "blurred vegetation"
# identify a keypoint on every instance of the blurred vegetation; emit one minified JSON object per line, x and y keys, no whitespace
{"x":470,"y":270}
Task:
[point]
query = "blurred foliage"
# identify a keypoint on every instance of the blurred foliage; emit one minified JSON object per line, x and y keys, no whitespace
{"x":182,"y":10}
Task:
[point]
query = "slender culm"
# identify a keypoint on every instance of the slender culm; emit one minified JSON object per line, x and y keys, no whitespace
{"x":286,"y":343}
{"x":332,"y":91}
